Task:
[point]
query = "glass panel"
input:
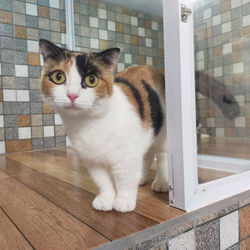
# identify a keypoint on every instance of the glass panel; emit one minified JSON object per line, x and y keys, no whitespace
{"x":222,"y":50}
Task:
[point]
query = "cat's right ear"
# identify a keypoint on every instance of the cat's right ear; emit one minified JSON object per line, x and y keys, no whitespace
{"x":51,"y":51}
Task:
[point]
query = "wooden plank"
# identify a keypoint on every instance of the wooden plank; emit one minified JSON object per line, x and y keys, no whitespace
{"x":67,"y":174}
{"x":44,"y":224}
{"x":78,"y":202}
{"x":10,"y":237}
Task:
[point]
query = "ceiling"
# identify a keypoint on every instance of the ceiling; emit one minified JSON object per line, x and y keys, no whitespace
{"x":153,"y":7}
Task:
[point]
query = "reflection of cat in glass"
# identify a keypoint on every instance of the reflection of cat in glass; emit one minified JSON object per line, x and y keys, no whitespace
{"x":219,"y":93}
{"x":116,"y":126}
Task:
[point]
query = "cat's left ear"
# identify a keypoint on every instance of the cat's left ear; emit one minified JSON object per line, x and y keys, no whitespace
{"x":109,"y":57}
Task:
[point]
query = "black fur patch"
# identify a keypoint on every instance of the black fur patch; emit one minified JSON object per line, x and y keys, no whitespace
{"x":155,"y":107}
{"x":136,"y":94}
{"x":85,"y":67}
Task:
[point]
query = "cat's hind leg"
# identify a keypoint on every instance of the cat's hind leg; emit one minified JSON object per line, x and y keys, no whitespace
{"x":102,"y":178}
{"x":160,"y":183}
{"x":147,"y":163}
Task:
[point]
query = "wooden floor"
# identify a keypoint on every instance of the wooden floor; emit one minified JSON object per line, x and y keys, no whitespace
{"x":45,"y":203}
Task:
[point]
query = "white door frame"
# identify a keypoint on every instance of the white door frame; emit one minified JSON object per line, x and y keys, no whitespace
{"x":185,"y":192}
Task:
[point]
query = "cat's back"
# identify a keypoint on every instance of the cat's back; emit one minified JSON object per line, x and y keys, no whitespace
{"x":144,"y":87}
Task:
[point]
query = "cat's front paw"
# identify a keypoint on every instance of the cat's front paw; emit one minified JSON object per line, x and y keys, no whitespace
{"x":124,"y":204}
{"x":103,"y":203}
{"x":160,"y":186}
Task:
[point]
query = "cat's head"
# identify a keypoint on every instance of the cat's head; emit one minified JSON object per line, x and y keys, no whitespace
{"x":77,"y":82}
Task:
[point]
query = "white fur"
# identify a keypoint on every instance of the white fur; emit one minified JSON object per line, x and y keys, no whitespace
{"x":110,"y":142}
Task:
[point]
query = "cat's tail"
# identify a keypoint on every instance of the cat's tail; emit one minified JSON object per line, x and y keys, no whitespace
{"x":219,"y":93}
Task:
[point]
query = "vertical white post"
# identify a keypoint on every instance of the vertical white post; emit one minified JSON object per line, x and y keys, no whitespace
{"x":180,"y":96}
{"x":70,"y":30}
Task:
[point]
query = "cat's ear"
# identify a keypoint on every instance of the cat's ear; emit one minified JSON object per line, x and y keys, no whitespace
{"x":51,"y":51}
{"x":109,"y":57}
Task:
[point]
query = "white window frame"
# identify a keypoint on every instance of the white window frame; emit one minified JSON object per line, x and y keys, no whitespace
{"x":185,"y":192}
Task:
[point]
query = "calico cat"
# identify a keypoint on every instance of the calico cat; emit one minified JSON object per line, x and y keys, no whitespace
{"x":116,"y":126}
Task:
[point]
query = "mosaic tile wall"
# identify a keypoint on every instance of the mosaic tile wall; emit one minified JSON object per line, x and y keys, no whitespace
{"x":222,"y":45}
{"x":25,"y":122}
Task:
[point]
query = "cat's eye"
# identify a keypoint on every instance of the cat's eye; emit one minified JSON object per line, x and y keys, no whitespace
{"x":91,"y":81}
{"x":57,"y":77}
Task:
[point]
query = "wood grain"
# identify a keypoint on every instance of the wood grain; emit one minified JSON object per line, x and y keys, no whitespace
{"x":44,"y":224}
{"x":78,"y":202}
{"x":10,"y":237}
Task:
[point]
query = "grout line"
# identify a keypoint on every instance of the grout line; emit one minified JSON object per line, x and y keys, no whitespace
{"x":19,"y":230}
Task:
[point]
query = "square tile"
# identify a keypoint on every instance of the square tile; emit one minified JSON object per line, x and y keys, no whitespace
{"x":141,"y":31}
{"x":120,"y":67}
{"x":48,"y":131}
{"x":60,"y":131}
{"x":33,"y":46}
{"x":24,"y":121}
{"x":102,"y":13}
{"x":128,"y":58}
{"x":103,"y":34}
{"x":94,"y":43}
{"x":226,"y":27}
{"x":207,"y":236}
{"x":25,"y":145}
{"x":37,"y":144}
{"x":154,"y":25}
{"x":246,"y":20}
{"x":229,"y":230}
{"x":24,"y":133}
{"x":235,"y":3}
{"x":149,"y":60}
{"x":238,"y":68}
{"x":37,"y":132}
{"x":2,"y":147}
{"x":9,"y":95}
{"x":93,"y":22}
{"x":134,"y":20}
{"x":31,"y":9}
{"x":148,"y":42}
{"x":23,"y":95}
{"x":183,"y":241}
{"x":54,"y":4}
{"x":36,"y":120}
{"x":111,"y":25}
{"x":21,"y":70}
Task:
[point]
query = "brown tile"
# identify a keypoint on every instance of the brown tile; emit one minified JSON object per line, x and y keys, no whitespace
{"x":161,"y":53}
{"x":142,"y":60}
{"x":63,"y":27}
{"x":37,"y":132}
{"x":238,"y":79}
{"x":76,"y":7}
{"x":20,"y":32}
{"x":103,"y":44}
{"x":148,"y":24}
{"x":245,"y":244}
{"x":217,"y":51}
{"x":43,"y":11}
{"x":25,"y":145}
{"x":93,"y":2}
{"x":126,"y":11}
{"x":36,"y":120}
{"x":33,"y":59}
{"x":229,"y":132}
{"x":1,"y":95}
{"x":5,"y":17}
{"x":208,"y":33}
{"x":47,"y":110}
{"x":248,"y":122}
{"x":24,"y":121}
{"x":244,"y":222}
{"x":119,"y":27}
{"x":210,"y":112}
{"x":155,"y":61}
{"x":60,"y":131}
{"x":246,"y":31}
{"x":135,"y":40}
{"x":11,"y":146}
{"x":226,"y":6}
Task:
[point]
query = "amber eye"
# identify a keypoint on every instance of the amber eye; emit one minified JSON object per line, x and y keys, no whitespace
{"x":91,"y":81}
{"x":57,"y":77}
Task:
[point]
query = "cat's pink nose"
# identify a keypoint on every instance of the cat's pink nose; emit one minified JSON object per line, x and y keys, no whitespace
{"x":72,"y":97}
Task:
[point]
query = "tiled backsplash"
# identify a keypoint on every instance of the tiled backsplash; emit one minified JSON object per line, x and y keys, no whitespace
{"x":222,"y":45}
{"x":25,"y":122}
